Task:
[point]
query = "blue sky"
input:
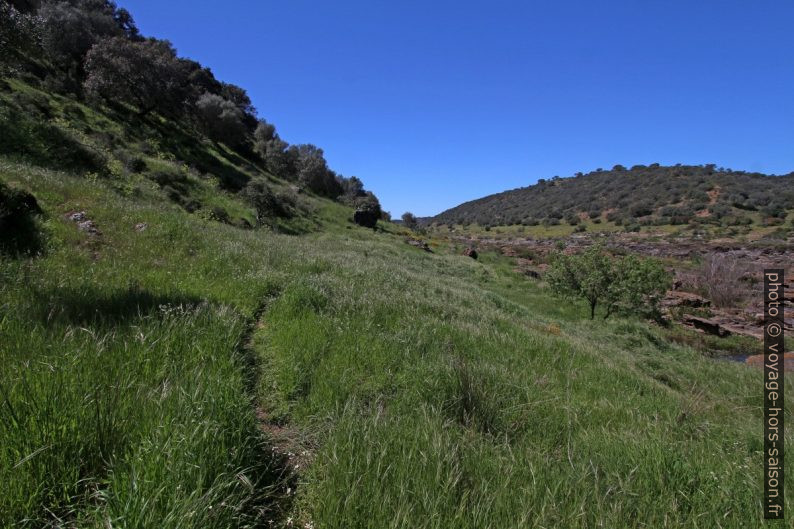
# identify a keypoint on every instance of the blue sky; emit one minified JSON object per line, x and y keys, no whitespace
{"x":432,"y":103}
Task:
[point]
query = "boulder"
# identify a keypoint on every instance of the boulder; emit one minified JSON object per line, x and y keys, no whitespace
{"x":366,"y":217}
{"x":19,"y":233}
{"x":470,"y":252}
{"x":706,"y":325}
{"x":677,"y":298}
{"x":83,"y":223}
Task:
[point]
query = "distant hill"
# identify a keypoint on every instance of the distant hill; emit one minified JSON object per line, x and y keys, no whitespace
{"x":652,"y":194}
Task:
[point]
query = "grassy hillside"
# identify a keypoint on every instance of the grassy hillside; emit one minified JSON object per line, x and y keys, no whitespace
{"x":641,"y":195}
{"x":194,"y":334}
{"x":191,"y":339}
{"x":197,"y":374}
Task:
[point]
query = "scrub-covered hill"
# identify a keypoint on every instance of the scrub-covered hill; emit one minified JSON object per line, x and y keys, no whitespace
{"x":650,"y":194}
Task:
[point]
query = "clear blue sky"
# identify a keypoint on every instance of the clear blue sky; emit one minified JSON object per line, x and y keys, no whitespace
{"x":432,"y":103}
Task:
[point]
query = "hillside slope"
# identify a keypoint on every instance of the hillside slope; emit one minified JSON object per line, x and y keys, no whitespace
{"x":194,"y":374}
{"x":645,"y":194}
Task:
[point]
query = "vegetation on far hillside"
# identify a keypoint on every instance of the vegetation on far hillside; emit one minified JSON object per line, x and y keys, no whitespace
{"x":641,"y":195}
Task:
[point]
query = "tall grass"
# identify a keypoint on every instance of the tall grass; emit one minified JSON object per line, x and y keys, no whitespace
{"x":428,"y":390}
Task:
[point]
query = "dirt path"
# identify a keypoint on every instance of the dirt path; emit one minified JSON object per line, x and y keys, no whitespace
{"x":286,"y":445}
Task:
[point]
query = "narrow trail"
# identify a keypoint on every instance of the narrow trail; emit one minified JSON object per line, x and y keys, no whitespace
{"x":284,"y":446}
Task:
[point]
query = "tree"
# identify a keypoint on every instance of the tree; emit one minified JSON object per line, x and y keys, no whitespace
{"x":641,"y":285}
{"x":277,"y":159}
{"x":263,"y":133}
{"x":409,"y":220}
{"x":144,"y":73}
{"x":313,"y":172}
{"x":200,"y":79}
{"x":352,"y":189}
{"x":239,"y":97}
{"x":20,"y":35}
{"x":588,"y":275}
{"x":629,"y":283}
{"x":221,"y":120}
{"x":71,"y":27}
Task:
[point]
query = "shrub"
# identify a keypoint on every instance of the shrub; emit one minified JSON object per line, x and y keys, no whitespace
{"x":219,"y":214}
{"x":266,"y":203}
{"x":132,"y":162}
{"x":641,"y":284}
{"x":719,"y":279}
{"x":166,"y":177}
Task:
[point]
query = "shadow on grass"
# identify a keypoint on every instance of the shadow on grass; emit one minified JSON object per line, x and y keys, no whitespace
{"x":186,"y":146}
{"x":88,"y":306}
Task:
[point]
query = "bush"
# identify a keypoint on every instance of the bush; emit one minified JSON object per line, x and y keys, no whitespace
{"x":219,"y":214}
{"x":719,"y":279}
{"x":132,"y":162}
{"x":266,"y":203}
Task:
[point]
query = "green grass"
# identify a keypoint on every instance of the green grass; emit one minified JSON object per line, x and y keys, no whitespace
{"x":431,"y":390}
{"x":422,"y":390}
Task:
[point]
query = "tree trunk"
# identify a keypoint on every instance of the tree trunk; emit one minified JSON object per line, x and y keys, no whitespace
{"x":592,"y":309}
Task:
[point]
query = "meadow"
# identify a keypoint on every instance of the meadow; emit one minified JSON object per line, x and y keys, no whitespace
{"x":195,"y":374}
